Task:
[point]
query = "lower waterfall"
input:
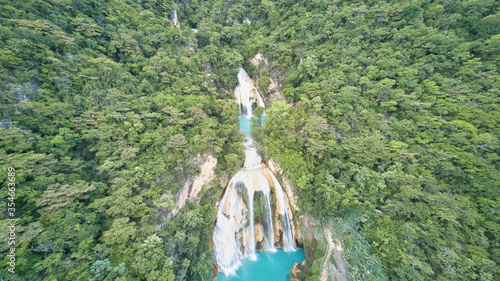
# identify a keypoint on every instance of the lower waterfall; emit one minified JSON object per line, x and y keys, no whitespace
{"x":249,"y":219}
{"x":235,"y":234}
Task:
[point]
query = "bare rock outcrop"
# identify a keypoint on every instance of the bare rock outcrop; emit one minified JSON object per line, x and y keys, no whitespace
{"x":274,"y":87}
{"x":193,"y":185}
{"x":257,"y":59}
{"x":330,"y":271}
{"x":333,"y":265}
{"x":175,"y":20}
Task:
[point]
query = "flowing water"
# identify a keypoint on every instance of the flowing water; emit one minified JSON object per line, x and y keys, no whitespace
{"x":246,"y":219}
{"x":246,"y":94}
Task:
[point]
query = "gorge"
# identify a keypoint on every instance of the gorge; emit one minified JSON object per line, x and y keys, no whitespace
{"x":254,"y":212}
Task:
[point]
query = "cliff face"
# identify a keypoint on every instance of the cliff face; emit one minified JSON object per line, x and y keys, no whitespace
{"x":175,"y":20}
{"x":189,"y":193}
{"x":324,"y":252}
{"x":273,"y":88}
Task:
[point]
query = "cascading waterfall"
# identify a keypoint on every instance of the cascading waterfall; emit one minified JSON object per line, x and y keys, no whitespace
{"x":250,"y":191}
{"x":285,"y":212}
{"x":269,"y":237}
{"x":245,"y":215}
{"x":246,"y":94}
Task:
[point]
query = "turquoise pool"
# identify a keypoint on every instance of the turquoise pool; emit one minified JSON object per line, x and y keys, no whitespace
{"x":245,"y":124}
{"x":269,"y":266}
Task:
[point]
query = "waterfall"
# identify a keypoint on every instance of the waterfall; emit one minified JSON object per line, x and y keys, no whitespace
{"x":228,"y":251}
{"x":270,"y":235}
{"x":246,"y":94}
{"x":235,"y":236}
{"x":252,"y":158}
{"x":285,"y":213}
{"x":250,"y":191}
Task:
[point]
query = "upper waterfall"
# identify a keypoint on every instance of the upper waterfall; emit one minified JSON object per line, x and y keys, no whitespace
{"x":248,"y":219}
{"x":246,"y":94}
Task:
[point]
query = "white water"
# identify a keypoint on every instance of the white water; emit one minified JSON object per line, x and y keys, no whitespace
{"x":235,"y":235}
{"x":286,"y":213}
{"x":269,"y":238}
{"x":252,"y":158}
{"x":246,"y":94}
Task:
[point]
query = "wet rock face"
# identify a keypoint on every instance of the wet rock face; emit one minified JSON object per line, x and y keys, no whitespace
{"x":259,"y":237}
{"x":287,"y":187}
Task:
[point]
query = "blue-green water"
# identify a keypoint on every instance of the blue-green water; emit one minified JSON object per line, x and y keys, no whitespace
{"x":272,"y":266}
{"x":269,"y":266}
{"x":246,"y":123}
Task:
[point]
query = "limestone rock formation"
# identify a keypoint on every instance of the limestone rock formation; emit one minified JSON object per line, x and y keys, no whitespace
{"x":274,"y":87}
{"x":175,"y":20}
{"x":189,"y":193}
